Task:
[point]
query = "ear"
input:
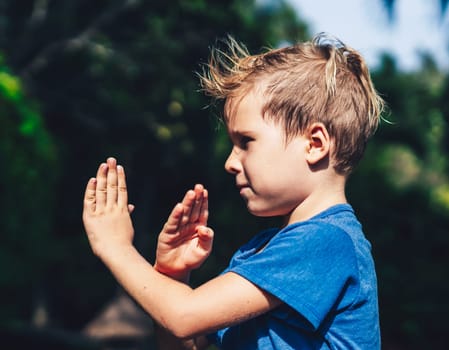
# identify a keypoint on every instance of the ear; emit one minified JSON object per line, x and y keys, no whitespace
{"x":319,"y":143}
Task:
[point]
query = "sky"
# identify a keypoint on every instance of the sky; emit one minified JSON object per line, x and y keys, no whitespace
{"x":364,"y":25}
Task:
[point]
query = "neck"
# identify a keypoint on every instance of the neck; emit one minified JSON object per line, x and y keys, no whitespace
{"x":325,"y":195}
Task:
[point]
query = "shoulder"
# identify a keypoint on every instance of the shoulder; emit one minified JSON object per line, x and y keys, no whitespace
{"x":317,"y":236}
{"x":335,"y":229}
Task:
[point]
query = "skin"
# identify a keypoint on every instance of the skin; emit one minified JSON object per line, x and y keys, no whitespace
{"x":177,"y":308}
{"x":293,"y":180}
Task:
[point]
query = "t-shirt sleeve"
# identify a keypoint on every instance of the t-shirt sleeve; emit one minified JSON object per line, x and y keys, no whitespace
{"x":308,"y":268}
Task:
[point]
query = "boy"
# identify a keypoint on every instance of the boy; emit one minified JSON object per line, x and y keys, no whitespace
{"x":299,"y":118}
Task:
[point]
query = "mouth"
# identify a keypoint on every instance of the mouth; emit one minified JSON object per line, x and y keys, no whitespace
{"x":242,"y":187}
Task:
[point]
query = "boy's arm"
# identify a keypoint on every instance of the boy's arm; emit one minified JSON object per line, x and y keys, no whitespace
{"x":183,"y":311}
{"x":167,"y":341}
{"x":183,"y":245}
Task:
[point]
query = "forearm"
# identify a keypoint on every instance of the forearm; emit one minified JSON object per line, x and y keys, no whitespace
{"x":162,"y":297}
{"x":108,"y":225}
{"x":165,"y":339}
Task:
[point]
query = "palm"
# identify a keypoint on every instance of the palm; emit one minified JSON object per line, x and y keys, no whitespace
{"x":185,"y":241}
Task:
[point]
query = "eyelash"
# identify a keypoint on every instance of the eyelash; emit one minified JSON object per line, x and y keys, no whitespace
{"x":244,"y":140}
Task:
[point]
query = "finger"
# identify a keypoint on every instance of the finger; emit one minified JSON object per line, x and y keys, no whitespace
{"x":111,"y":190}
{"x":122,"y":195}
{"x":174,"y":220}
{"x":204,"y":213}
{"x":187,"y":204}
{"x":131,"y":208}
{"x":89,"y":196}
{"x":100,"y":191}
{"x":197,"y":204}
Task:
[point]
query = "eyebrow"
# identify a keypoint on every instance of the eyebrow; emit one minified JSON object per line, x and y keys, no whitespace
{"x":236,"y":134}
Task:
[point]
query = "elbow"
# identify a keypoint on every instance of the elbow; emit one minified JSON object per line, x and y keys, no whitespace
{"x":183,"y":326}
{"x":183,"y":335}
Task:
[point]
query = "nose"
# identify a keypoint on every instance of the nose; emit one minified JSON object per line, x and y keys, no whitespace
{"x":233,"y":164}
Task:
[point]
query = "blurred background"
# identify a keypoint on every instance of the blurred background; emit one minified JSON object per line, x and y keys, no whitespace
{"x":82,"y":80}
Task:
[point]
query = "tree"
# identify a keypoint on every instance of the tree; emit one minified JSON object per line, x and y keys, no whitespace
{"x":401,"y":192}
{"x":389,"y":5}
{"x":117,"y":78}
{"x":27,"y":181}
{"x":414,"y":151}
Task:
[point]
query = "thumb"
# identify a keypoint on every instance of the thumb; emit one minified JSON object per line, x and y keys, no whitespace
{"x":205,"y":237}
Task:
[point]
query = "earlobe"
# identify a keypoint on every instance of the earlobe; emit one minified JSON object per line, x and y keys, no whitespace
{"x":319,"y":143}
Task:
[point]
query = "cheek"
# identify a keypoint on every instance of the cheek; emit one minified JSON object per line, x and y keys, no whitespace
{"x":258,"y":167}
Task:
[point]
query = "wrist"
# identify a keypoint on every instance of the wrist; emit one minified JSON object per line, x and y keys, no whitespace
{"x":111,"y":254}
{"x":180,"y":276}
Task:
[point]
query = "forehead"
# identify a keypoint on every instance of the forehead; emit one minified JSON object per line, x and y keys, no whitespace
{"x":246,"y":106}
{"x":243,"y":111}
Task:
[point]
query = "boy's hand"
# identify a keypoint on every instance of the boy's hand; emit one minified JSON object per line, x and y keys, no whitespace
{"x":185,"y":242}
{"x":106,"y":211}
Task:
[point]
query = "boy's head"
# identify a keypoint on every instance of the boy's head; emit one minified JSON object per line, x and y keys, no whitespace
{"x":322,"y":81}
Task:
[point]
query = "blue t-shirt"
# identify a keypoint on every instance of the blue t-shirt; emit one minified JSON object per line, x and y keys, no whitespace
{"x":323,"y":272}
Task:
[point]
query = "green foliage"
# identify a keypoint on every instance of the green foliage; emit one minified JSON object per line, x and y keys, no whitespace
{"x":27,"y":182}
{"x":117,"y":78}
{"x":390,"y":7}
{"x":400,"y":193}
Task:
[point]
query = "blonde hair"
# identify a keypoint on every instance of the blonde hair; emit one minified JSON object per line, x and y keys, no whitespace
{"x":318,"y":81}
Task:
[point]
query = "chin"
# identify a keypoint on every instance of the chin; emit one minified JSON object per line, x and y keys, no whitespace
{"x":263,"y":212}
{"x":269,"y":207}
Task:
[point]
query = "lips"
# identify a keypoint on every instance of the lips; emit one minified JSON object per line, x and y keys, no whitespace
{"x":242,"y":188}
{"x":241,"y":185}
